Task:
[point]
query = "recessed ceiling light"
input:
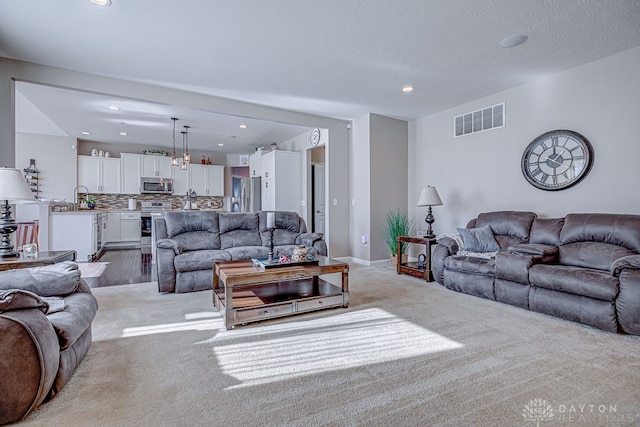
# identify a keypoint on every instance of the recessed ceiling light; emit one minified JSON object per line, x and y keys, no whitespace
{"x":513,"y":40}
{"x":407,"y":89}
{"x":123,"y":133}
{"x":114,"y":107}
{"x":233,"y":137}
{"x":101,"y":2}
{"x":221,"y":145}
{"x":84,"y":132}
{"x":243,"y":126}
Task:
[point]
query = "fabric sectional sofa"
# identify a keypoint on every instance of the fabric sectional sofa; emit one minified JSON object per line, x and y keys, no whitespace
{"x":45,"y":332}
{"x":189,"y":242}
{"x":583,"y":267}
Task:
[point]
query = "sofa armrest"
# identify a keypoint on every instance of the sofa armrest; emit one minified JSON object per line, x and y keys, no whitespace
{"x":166,"y":251}
{"x":30,"y":355}
{"x":450,"y":245}
{"x":313,"y":240}
{"x":536,"y":249}
{"x":169,"y":244}
{"x":630,"y":261}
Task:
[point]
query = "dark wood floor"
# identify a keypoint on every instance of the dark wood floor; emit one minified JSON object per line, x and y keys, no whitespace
{"x":118,"y":267}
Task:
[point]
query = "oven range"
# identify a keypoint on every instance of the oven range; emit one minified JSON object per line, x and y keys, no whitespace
{"x":148,"y":211}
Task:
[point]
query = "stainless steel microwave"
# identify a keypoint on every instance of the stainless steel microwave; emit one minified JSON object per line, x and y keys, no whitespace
{"x":155,"y":185}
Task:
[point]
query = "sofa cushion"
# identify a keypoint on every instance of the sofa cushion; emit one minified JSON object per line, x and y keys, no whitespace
{"x":194,"y":230}
{"x":546,"y":231}
{"x":591,"y":254}
{"x":75,"y":319}
{"x":575,"y":280}
{"x":248,"y":252}
{"x":479,"y":239}
{"x":508,"y":223}
{"x":287,"y":228}
{"x":472,"y":265}
{"x":199,"y":260}
{"x":239,"y":229}
{"x":49,"y":280}
{"x":615,"y":229}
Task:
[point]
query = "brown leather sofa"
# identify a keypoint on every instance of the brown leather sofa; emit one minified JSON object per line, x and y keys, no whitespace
{"x":45,"y":332}
{"x":584,"y":267}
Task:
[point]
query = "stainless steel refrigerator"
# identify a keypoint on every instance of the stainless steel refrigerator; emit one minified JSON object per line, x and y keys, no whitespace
{"x":250,"y":196}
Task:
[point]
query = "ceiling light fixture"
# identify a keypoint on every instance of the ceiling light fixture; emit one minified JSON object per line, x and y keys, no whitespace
{"x":174,"y":158}
{"x":101,"y":2}
{"x":220,"y":145}
{"x":407,"y":89}
{"x":84,"y":132}
{"x":513,"y":41}
{"x":243,"y":126}
{"x":186,"y":156}
{"x":123,"y":133}
{"x":114,"y":107}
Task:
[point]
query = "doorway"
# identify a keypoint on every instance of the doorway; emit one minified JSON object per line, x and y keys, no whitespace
{"x":318,"y":190}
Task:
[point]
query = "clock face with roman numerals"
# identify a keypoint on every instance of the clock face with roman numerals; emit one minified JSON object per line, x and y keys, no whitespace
{"x":557,"y":160}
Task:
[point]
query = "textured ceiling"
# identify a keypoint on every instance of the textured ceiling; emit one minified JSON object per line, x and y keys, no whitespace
{"x":333,"y":58}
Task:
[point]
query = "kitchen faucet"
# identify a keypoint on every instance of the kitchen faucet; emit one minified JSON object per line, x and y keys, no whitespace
{"x":76,"y":194}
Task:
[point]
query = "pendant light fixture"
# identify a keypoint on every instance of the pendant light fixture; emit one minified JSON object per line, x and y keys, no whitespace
{"x":184,"y":165}
{"x":186,"y":156}
{"x":174,"y":158}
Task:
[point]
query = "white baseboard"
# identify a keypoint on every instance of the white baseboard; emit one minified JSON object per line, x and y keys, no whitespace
{"x":349,"y":259}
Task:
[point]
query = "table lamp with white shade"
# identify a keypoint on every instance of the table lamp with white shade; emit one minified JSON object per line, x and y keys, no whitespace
{"x":429,"y":197}
{"x":14,"y":189}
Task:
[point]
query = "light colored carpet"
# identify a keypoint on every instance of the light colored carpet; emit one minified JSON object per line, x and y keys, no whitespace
{"x":405,"y":353}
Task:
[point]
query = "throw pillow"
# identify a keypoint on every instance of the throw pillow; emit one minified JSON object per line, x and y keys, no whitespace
{"x":479,"y":239}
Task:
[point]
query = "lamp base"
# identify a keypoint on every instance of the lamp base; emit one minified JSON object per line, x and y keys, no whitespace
{"x":7,"y":226}
{"x":429,"y":220}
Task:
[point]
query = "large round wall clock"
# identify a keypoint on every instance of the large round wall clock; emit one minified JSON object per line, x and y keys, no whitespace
{"x":314,"y":137}
{"x":557,"y":160}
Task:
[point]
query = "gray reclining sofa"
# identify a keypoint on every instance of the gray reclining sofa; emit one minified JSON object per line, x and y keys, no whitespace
{"x":583,"y":267}
{"x":189,"y":242}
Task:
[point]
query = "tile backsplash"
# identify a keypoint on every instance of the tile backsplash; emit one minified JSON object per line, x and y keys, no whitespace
{"x":121,"y":201}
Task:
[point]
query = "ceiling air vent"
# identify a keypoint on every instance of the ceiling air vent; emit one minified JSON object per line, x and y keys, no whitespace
{"x":478,"y":121}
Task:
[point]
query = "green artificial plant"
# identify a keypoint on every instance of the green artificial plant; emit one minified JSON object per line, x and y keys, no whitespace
{"x":397,"y":224}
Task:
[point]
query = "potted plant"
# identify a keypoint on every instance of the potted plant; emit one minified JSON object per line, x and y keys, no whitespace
{"x":91,"y":202}
{"x":397,"y":224}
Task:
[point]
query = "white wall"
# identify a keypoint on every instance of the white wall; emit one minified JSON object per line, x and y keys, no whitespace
{"x":56,"y":160}
{"x":359,"y":174}
{"x":481,"y":172}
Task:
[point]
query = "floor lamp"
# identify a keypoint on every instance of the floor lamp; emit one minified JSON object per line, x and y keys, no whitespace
{"x":13,"y":188}
{"x":429,"y":197}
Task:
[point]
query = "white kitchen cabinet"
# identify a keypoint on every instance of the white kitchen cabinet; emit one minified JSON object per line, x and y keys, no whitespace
{"x":130,"y":173}
{"x":255,"y":164}
{"x":205,"y":180}
{"x":136,"y":166}
{"x":113,"y":227}
{"x":157,"y":166}
{"x":180,"y":180}
{"x":76,"y":231}
{"x":130,"y":227}
{"x":281,"y":184}
{"x":99,"y":174}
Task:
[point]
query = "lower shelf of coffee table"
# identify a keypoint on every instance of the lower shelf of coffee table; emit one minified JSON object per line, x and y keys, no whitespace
{"x":254,"y":303}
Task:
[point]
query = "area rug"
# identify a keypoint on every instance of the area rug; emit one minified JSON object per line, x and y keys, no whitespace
{"x":405,"y":353}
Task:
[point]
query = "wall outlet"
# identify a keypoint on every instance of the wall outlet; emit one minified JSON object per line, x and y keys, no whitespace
{"x":335,"y":202}
{"x":364,"y":239}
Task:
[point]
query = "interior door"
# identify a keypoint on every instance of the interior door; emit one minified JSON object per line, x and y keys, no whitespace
{"x":318,"y":198}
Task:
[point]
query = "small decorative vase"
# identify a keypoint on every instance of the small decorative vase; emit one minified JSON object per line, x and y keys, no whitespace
{"x":299,"y":254}
{"x":91,"y":205}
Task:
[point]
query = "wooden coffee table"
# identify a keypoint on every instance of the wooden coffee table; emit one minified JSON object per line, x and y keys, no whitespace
{"x":247,"y":293}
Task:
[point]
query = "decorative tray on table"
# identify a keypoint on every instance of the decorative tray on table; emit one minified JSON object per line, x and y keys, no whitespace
{"x":265,"y":263}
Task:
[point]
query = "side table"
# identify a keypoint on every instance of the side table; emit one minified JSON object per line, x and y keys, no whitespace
{"x":412,"y":268}
{"x":43,"y":258}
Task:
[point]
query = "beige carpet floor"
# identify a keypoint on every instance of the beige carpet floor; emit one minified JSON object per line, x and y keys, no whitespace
{"x":405,"y":353}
